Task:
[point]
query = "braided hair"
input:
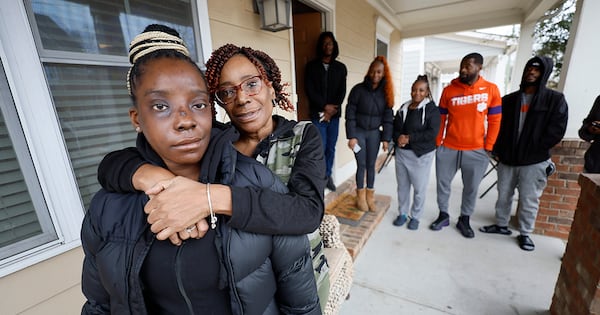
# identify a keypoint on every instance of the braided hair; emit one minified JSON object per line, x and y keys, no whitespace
{"x":266,"y":66}
{"x":156,"y":41}
{"x":423,"y":78}
{"x":388,"y":88}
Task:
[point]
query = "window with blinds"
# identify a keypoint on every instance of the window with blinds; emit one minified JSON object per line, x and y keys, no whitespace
{"x":92,"y":105}
{"x":24,"y":218}
{"x":88,"y":89}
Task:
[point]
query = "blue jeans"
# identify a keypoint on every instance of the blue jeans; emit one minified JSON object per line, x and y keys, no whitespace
{"x":329,"y":134}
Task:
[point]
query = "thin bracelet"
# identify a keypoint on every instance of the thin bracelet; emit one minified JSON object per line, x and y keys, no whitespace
{"x":213,"y":218}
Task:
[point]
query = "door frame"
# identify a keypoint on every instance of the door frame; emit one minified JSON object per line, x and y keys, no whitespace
{"x":327,"y":9}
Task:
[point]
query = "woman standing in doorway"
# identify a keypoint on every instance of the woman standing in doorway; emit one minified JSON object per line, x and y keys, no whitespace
{"x":369,"y":121}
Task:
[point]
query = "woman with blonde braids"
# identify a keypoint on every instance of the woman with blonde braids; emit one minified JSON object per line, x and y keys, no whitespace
{"x":126,"y":270}
{"x":369,"y":121}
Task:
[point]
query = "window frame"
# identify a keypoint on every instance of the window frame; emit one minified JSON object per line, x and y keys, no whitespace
{"x":35,"y":109}
{"x":382,"y":34}
{"x":13,"y":126}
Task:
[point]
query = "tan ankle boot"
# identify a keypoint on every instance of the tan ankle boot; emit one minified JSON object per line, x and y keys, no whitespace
{"x":371,"y":199}
{"x":361,"y":201}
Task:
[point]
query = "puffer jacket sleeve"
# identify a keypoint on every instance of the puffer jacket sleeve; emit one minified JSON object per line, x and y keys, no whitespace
{"x":593,"y":115}
{"x":387,"y":121}
{"x":351,"y":112}
{"x":97,"y":298}
{"x":296,"y":286}
{"x":116,"y":170}
{"x":398,"y":125}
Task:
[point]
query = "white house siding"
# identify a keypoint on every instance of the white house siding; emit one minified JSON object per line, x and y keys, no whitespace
{"x":49,"y":287}
{"x":412,"y":64}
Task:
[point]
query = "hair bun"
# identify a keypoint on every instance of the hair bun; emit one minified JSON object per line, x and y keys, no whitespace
{"x":155,"y":37}
{"x":150,"y":41}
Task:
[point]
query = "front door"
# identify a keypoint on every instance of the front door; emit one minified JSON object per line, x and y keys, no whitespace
{"x":307,"y":28}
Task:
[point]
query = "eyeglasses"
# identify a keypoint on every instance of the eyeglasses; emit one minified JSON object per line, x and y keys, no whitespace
{"x":251,"y":86}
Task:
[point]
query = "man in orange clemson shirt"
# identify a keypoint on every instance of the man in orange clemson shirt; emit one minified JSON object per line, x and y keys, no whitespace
{"x":471,"y":110}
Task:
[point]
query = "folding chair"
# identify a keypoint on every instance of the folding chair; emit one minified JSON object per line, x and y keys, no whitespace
{"x":493,"y":168}
{"x":388,"y":158}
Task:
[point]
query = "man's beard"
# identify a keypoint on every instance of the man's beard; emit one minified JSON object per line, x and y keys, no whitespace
{"x":528,"y":84}
{"x":467,"y":79}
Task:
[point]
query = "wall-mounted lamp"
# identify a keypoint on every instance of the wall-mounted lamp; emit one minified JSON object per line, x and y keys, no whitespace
{"x":275,"y":15}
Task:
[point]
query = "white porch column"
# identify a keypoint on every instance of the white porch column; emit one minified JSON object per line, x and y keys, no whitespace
{"x":579,"y":76}
{"x":524,"y":53}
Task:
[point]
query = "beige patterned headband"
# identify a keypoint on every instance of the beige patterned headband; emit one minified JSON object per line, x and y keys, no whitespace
{"x":148,"y":42}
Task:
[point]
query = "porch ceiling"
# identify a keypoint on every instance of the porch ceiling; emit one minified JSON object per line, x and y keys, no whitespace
{"x":416,"y":18}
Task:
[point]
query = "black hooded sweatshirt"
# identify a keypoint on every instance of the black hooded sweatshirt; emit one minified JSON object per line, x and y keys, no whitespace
{"x":592,"y":155}
{"x":545,"y":123}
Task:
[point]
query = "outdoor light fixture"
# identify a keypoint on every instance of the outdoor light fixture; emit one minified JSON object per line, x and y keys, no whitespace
{"x":275,"y":15}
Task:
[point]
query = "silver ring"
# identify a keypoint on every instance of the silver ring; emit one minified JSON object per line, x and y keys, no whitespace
{"x":190,"y":229}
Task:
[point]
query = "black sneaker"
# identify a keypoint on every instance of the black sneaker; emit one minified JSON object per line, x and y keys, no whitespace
{"x":442,"y":221}
{"x":330,"y":185}
{"x":464,"y":227}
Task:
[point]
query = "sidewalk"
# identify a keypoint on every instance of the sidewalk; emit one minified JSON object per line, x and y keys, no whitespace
{"x":400,"y":271}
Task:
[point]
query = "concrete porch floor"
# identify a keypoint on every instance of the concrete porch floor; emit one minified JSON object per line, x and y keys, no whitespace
{"x":399,"y":271}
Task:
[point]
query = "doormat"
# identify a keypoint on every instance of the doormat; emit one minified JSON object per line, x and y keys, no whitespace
{"x":345,"y":209}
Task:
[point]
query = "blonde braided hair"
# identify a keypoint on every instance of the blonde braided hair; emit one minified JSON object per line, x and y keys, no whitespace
{"x":151,"y":41}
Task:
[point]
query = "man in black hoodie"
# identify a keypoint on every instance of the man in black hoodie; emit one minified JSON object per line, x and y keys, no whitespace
{"x":325,"y":87}
{"x":534,"y":119}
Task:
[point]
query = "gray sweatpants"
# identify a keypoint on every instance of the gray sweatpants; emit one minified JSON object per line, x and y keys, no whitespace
{"x":472,"y":164}
{"x":530,"y":181}
{"x":412,"y":170}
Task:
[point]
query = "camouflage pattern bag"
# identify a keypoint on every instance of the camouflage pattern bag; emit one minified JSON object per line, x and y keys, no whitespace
{"x":280,"y":160}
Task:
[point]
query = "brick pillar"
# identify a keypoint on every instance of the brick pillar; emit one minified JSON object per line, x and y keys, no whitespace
{"x":558,"y":202}
{"x":577,"y":290}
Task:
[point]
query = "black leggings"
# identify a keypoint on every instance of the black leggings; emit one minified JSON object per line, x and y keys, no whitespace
{"x":368,"y":140}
